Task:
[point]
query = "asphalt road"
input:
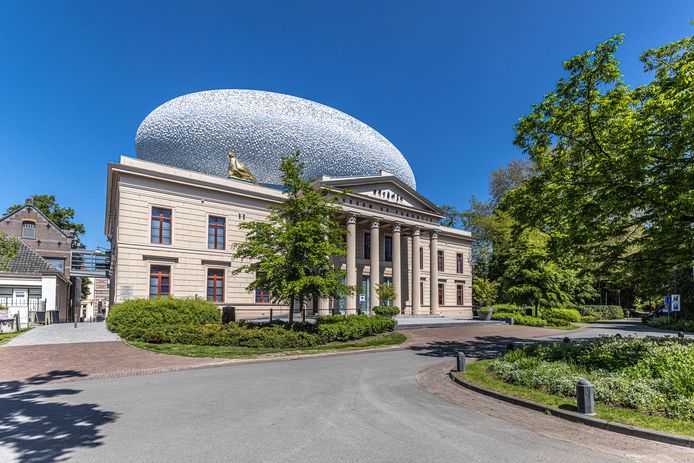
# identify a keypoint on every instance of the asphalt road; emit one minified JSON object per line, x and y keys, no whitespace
{"x":360,"y":407}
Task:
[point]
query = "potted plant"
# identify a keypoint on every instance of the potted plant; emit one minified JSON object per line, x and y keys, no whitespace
{"x":485,"y":313}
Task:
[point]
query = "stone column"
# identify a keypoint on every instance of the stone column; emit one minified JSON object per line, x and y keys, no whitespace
{"x":415,"y":271}
{"x":324,"y":306}
{"x":375,"y":261}
{"x":397,"y":269}
{"x":434,"y":272}
{"x":351,"y":300}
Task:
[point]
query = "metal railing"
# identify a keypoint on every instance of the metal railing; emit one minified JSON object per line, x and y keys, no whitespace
{"x":34,"y":305}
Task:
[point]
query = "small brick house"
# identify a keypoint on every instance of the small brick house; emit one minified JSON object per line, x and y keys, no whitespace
{"x":50,"y":243}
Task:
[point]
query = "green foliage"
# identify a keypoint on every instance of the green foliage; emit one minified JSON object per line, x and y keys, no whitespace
{"x":386,"y":310}
{"x":129,"y":318}
{"x":386,"y":293}
{"x":484,"y":291}
{"x":615,"y":167}
{"x":602,"y":312}
{"x":85,"y":290}
{"x":9,"y":247}
{"x":568,"y":315}
{"x":290,"y":253}
{"x":671,"y":324}
{"x":232,"y":334}
{"x":452,"y":218}
{"x":346,"y":327}
{"x":506,"y":308}
{"x":653,"y":375}
{"x":521,"y":319}
{"x":62,"y":217}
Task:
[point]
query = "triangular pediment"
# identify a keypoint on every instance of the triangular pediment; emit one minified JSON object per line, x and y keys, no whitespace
{"x":384,"y":188}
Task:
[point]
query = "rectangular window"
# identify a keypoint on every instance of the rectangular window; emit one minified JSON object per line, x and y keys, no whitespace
{"x":159,"y":281}
{"x":34,"y":293}
{"x":216,"y":228}
{"x":262,"y":297}
{"x":421,"y":293}
{"x":459,"y":294}
{"x":215,"y":285}
{"x":421,"y":258}
{"x":459,"y":263}
{"x":442,"y":290}
{"x":388,"y":243}
{"x":440,"y":263}
{"x":367,"y":245}
{"x":56,"y":262}
{"x":28,"y":229}
{"x":161,"y":226}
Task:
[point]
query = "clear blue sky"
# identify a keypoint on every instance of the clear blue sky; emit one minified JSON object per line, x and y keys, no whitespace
{"x":443,"y":81}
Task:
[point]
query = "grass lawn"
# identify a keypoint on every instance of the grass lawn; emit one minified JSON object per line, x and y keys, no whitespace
{"x":477,"y":374}
{"x":6,"y":337}
{"x":386,"y":339}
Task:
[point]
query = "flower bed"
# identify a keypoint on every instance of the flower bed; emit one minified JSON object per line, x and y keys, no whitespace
{"x":654,"y":376}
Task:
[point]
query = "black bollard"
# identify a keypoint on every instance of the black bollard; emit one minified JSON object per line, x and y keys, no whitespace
{"x":567,"y":340}
{"x":585,"y":397}
{"x":680,"y":334}
{"x":511,"y":346}
{"x":462,"y":361}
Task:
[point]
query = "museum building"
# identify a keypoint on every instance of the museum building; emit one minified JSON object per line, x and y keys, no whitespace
{"x":209,"y":161}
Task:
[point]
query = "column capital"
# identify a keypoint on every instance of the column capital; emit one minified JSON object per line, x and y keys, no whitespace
{"x":434,"y":234}
{"x":397,"y":227}
{"x":352,"y":218}
{"x":375,"y":222}
{"x":416,"y":230}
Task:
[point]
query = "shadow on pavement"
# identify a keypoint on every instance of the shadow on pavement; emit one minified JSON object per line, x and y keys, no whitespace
{"x":480,"y":347}
{"x":39,"y":431}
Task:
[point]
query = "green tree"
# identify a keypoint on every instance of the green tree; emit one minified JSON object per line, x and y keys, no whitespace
{"x":386,"y":293}
{"x":291,"y":251}
{"x":452,"y":218}
{"x":86,"y":292}
{"x":484,"y":291}
{"x":615,"y":171}
{"x":63,"y":217}
{"x":9,"y":247}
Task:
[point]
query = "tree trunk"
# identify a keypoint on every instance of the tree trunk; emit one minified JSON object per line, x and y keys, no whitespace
{"x":301,"y":307}
{"x":537,"y":308}
{"x":291,"y":309}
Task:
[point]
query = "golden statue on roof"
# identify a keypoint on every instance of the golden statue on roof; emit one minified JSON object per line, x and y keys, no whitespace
{"x":238,"y":170}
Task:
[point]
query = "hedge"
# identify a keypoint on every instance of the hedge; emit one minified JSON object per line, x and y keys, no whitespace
{"x":348,"y":327}
{"x":505,"y":308}
{"x":603,"y":312}
{"x":567,"y":315}
{"x":386,"y":310}
{"x":520,"y":319}
{"x":138,"y":314}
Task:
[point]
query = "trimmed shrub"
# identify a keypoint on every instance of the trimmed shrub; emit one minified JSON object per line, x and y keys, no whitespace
{"x":231,"y":334}
{"x":664,"y":323}
{"x":137,"y":314}
{"x":347,"y":327}
{"x":386,"y":310}
{"x":567,"y":315}
{"x":520,"y":319}
{"x":506,"y":308}
{"x":603,"y":312}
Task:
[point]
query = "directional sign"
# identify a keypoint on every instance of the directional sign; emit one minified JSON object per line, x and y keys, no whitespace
{"x":675,"y":303}
{"x":362,"y":298}
{"x":668,"y":301}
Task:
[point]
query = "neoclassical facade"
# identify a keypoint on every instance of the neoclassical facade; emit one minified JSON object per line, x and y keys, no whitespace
{"x":173,"y":230}
{"x":209,"y":161}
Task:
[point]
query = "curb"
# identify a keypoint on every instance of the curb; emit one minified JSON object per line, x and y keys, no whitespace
{"x":578,"y":417}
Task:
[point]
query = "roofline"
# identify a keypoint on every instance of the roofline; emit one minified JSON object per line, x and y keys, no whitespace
{"x":42,"y":214}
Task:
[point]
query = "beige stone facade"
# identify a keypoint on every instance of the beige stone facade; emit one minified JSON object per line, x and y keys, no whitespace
{"x":381,"y":206}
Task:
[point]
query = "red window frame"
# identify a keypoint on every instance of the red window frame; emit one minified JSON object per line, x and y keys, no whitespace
{"x":214,"y":275}
{"x":439,"y":260}
{"x":159,"y":272}
{"x":161,"y":218}
{"x":263,"y":296}
{"x":212,"y":222}
{"x":459,"y":263}
{"x":459,"y":294}
{"x":441,"y":293}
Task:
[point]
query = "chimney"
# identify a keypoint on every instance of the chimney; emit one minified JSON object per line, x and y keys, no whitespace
{"x":29,"y":202}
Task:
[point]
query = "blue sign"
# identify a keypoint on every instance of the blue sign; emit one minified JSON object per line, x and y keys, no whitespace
{"x":668,"y":301}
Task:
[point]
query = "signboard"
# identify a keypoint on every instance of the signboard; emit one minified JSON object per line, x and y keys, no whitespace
{"x":675,"y":303}
{"x":362,"y":298}
{"x":668,"y":301}
{"x":126,"y":292}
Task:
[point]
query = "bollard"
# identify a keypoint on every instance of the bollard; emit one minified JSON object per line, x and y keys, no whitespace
{"x":585,"y":397}
{"x":228,"y":314}
{"x":462,"y":361}
{"x":510,"y":346}
{"x":567,"y":340}
{"x":680,"y":334}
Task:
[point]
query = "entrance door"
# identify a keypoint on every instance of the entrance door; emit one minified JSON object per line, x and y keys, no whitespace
{"x":365,"y":296}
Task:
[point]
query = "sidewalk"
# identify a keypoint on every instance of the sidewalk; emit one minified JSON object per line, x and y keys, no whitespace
{"x":64,"y":333}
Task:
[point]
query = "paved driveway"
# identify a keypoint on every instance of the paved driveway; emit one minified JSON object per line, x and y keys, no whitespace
{"x":359,"y":407}
{"x":65,"y":333}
